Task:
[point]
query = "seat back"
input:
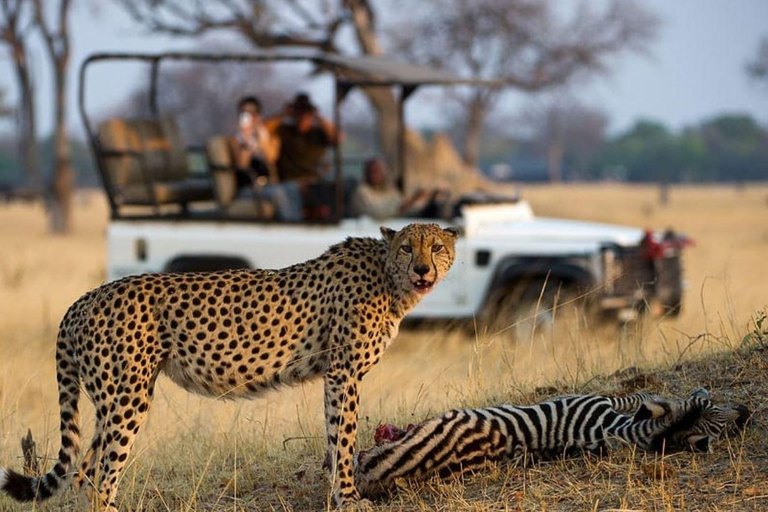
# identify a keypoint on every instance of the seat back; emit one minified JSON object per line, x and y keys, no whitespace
{"x":221,"y":165}
{"x":178,"y":168}
{"x":116,"y":139}
{"x":138,"y":153}
{"x":163,"y":149}
{"x":158,"y":141}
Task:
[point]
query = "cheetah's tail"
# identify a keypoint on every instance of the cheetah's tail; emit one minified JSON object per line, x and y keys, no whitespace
{"x":25,"y":488}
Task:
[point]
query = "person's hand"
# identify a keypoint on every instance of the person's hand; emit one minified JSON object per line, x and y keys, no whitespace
{"x":245,"y":132}
{"x":422,"y":194}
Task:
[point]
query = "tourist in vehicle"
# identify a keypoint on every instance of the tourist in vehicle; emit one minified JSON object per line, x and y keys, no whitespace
{"x":304,"y":136}
{"x":254,"y":151}
{"x":253,"y":146}
{"x":377,"y":196}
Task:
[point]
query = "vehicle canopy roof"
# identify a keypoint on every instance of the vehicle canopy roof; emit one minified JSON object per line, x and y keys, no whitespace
{"x":348,"y":71}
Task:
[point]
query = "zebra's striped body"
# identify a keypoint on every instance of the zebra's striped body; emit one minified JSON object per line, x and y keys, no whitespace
{"x":464,"y":439}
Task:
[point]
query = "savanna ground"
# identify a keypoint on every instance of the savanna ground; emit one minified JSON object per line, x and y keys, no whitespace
{"x":198,"y":454}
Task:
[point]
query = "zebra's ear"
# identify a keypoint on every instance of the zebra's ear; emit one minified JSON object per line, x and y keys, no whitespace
{"x":642,"y":413}
{"x":651,"y":410}
{"x":700,"y":443}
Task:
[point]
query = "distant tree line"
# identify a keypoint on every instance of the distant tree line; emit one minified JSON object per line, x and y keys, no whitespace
{"x":12,"y":168}
{"x":725,"y":148}
{"x":572,"y":145}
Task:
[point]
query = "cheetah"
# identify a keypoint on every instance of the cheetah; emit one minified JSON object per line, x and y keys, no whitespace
{"x":234,"y":334}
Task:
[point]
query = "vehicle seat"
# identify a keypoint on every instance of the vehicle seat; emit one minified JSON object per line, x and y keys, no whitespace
{"x":145,"y":163}
{"x":350,"y":185}
{"x":235,"y":203}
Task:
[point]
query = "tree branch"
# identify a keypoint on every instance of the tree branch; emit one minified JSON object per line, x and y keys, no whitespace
{"x":170,"y":17}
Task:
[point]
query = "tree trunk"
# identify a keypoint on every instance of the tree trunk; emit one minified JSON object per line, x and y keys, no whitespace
{"x":476,"y":112}
{"x":27,"y":131}
{"x":383,"y":102}
{"x":555,"y":154}
{"x":382,"y":99}
{"x":56,"y":40}
{"x":62,"y":182}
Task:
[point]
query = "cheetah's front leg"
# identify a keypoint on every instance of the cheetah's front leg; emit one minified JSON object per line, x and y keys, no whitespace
{"x":341,"y":404}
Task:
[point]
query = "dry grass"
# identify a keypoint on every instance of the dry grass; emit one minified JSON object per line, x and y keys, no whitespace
{"x":197,"y":454}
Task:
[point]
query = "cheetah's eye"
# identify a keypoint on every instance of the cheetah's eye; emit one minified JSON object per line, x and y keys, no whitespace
{"x":437,"y":248}
{"x":407,"y":249}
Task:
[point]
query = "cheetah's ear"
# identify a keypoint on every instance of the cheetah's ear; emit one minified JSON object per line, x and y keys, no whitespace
{"x":453,"y":232}
{"x":388,"y":234}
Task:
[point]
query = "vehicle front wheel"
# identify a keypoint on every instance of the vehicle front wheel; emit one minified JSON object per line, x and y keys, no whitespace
{"x":533,"y":310}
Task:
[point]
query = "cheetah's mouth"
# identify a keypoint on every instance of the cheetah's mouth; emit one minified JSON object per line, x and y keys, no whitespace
{"x":422,"y":285}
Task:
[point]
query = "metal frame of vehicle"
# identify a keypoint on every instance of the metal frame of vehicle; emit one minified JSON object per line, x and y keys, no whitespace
{"x":503,"y":245}
{"x":348,"y":72}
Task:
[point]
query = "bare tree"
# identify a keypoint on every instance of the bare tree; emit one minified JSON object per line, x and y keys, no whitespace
{"x":16,"y":22}
{"x":757,"y":68}
{"x":55,"y":35}
{"x":561,"y":127}
{"x":525,"y":44}
{"x":292,"y":23}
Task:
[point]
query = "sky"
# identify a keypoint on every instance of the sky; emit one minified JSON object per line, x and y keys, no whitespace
{"x":695,"y":70}
{"x":697,"y":66}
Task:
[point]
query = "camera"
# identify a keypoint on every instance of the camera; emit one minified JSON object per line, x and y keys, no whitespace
{"x":245,"y":119}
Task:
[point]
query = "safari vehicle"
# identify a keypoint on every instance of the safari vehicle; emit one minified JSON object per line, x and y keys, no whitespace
{"x":512,"y":268}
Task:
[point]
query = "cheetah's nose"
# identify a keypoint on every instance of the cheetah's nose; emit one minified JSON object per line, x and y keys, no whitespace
{"x":421,"y":270}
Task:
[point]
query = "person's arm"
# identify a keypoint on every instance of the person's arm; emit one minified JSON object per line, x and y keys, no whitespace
{"x":240,"y":152}
{"x":269,"y":142}
{"x":416,"y":202}
{"x":269,"y":145}
{"x":334,"y":136}
{"x":273,"y":123}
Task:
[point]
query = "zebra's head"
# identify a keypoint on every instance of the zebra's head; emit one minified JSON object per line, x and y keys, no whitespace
{"x":713,"y":422}
{"x":696,"y":422}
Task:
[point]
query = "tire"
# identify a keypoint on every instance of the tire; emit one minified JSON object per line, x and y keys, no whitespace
{"x":532,"y":310}
{"x":669,"y":287}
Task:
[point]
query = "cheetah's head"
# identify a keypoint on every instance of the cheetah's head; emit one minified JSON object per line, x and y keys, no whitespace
{"x":419,"y":255}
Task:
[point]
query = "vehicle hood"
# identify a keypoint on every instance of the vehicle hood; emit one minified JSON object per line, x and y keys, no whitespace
{"x":543,"y":228}
{"x":518,"y":223}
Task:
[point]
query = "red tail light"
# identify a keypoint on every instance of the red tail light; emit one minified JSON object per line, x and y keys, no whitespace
{"x":669,"y":245}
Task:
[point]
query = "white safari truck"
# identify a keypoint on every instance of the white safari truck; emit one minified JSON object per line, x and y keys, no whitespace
{"x":511,"y":266}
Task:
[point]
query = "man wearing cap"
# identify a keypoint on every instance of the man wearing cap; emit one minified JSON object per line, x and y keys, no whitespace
{"x":304,"y":136}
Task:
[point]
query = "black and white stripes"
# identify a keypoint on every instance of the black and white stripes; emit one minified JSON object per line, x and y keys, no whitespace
{"x":464,"y":439}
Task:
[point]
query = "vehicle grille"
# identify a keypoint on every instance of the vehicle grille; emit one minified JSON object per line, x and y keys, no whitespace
{"x":628,"y":272}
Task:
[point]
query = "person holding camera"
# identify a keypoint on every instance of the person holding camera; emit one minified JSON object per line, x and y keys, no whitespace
{"x":304,"y":137}
{"x":254,"y":148}
{"x":255,"y":151}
